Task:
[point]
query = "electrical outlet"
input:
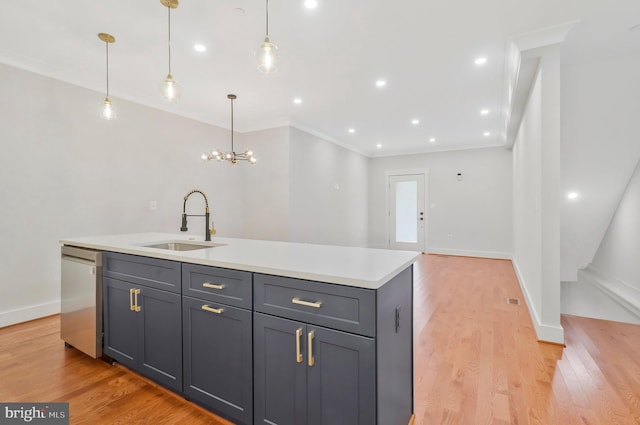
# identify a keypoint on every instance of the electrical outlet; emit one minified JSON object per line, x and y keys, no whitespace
{"x":153,"y":205}
{"x":450,"y":237}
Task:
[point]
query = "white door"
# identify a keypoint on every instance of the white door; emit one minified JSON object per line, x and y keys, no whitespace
{"x":406,"y":212}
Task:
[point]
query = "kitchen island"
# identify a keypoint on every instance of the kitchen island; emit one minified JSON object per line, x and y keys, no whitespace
{"x":263,"y":332}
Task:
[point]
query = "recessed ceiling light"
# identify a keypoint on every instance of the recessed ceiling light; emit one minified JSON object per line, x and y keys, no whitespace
{"x":484,"y":112}
{"x":480,"y":61}
{"x":352,"y":130}
{"x":486,"y":134}
{"x":200,"y":48}
{"x":381,"y":83}
{"x":432,"y":140}
{"x":297,"y":101}
{"x":379,"y":145}
{"x":310,"y":4}
{"x":415,"y":121}
{"x":573,"y":195}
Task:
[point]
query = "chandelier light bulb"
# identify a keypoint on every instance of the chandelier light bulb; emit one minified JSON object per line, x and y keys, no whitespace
{"x":170,"y":89}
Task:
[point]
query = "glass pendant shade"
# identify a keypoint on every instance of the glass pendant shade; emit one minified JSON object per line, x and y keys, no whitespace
{"x":267,"y":54}
{"x":170,"y":89}
{"x":107,"y":112}
{"x":268,"y":57}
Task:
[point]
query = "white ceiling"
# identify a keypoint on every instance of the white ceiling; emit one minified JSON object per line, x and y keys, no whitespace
{"x":330,"y":57}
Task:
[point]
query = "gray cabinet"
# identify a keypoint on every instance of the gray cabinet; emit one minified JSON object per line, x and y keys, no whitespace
{"x":142,"y":324}
{"x":217,"y":340}
{"x":280,"y":371}
{"x":306,"y":374}
{"x":262,"y":349}
{"x":328,"y":354}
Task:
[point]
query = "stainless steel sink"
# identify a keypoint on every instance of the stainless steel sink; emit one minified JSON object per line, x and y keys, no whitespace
{"x":183,"y":245}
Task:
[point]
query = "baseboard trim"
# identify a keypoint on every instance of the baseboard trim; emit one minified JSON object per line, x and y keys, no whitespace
{"x":25,"y":314}
{"x":622,"y":293}
{"x":545,"y":333}
{"x":470,"y":253}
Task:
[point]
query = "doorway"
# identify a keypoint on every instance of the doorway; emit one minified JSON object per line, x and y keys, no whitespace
{"x":406,"y":214}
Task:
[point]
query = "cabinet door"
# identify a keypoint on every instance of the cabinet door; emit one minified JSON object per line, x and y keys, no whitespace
{"x":120,"y":322}
{"x":160,"y":337}
{"x":341,"y":378}
{"x":280,"y":377}
{"x":218,"y":370}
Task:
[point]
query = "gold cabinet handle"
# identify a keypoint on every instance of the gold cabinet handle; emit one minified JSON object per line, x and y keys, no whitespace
{"x":136,"y":305}
{"x":131,"y":306}
{"x":298,"y":352}
{"x":212,"y":310}
{"x":312,"y":361}
{"x":212,"y":286}
{"x":316,"y":304}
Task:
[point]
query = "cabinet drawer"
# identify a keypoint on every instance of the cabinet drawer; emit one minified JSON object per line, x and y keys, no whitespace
{"x":325,"y":304}
{"x":224,"y":286}
{"x":152,"y":272}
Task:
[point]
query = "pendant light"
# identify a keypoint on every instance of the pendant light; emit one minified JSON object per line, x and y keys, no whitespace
{"x":169,"y":88}
{"x":107,"y":112}
{"x":230,"y":156}
{"x":268,"y":52}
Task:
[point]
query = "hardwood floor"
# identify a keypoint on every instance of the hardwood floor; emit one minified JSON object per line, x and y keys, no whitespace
{"x":477,"y":362}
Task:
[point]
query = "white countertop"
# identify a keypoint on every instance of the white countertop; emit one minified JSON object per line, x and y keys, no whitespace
{"x":360,"y":267}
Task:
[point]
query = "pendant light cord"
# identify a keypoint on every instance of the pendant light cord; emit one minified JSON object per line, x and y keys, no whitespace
{"x":267,"y":18}
{"x":107,"y":44}
{"x":169,"y":25}
{"x":232,"y":151}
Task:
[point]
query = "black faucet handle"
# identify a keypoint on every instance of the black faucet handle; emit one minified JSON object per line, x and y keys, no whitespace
{"x":184,"y":223}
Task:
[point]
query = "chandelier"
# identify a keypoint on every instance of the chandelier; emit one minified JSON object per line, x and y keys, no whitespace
{"x":232,"y":156}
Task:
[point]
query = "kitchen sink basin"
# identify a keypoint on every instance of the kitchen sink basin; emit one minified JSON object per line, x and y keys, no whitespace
{"x":183,"y":245}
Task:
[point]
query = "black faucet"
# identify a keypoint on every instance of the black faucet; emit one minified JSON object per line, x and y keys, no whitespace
{"x":183,"y":228}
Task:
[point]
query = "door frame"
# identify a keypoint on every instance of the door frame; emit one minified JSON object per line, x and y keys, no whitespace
{"x":387,"y":202}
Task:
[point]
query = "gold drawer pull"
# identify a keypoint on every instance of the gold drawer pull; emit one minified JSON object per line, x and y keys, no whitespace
{"x":132,"y":307}
{"x":316,"y":304}
{"x":212,"y":310}
{"x":298,"y":353}
{"x":212,"y":285}
{"x":136,"y":306}
{"x":312,"y":361}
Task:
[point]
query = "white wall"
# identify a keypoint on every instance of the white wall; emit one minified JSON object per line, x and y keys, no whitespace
{"x":609,"y":288}
{"x":66,"y":173}
{"x":600,"y":148}
{"x":619,"y":252}
{"x":329,"y":196}
{"x":265,"y":195}
{"x":476,"y":211}
{"x":536,"y":182}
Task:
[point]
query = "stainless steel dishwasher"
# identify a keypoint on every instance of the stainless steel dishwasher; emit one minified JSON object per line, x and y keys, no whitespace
{"x":81,"y":299}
